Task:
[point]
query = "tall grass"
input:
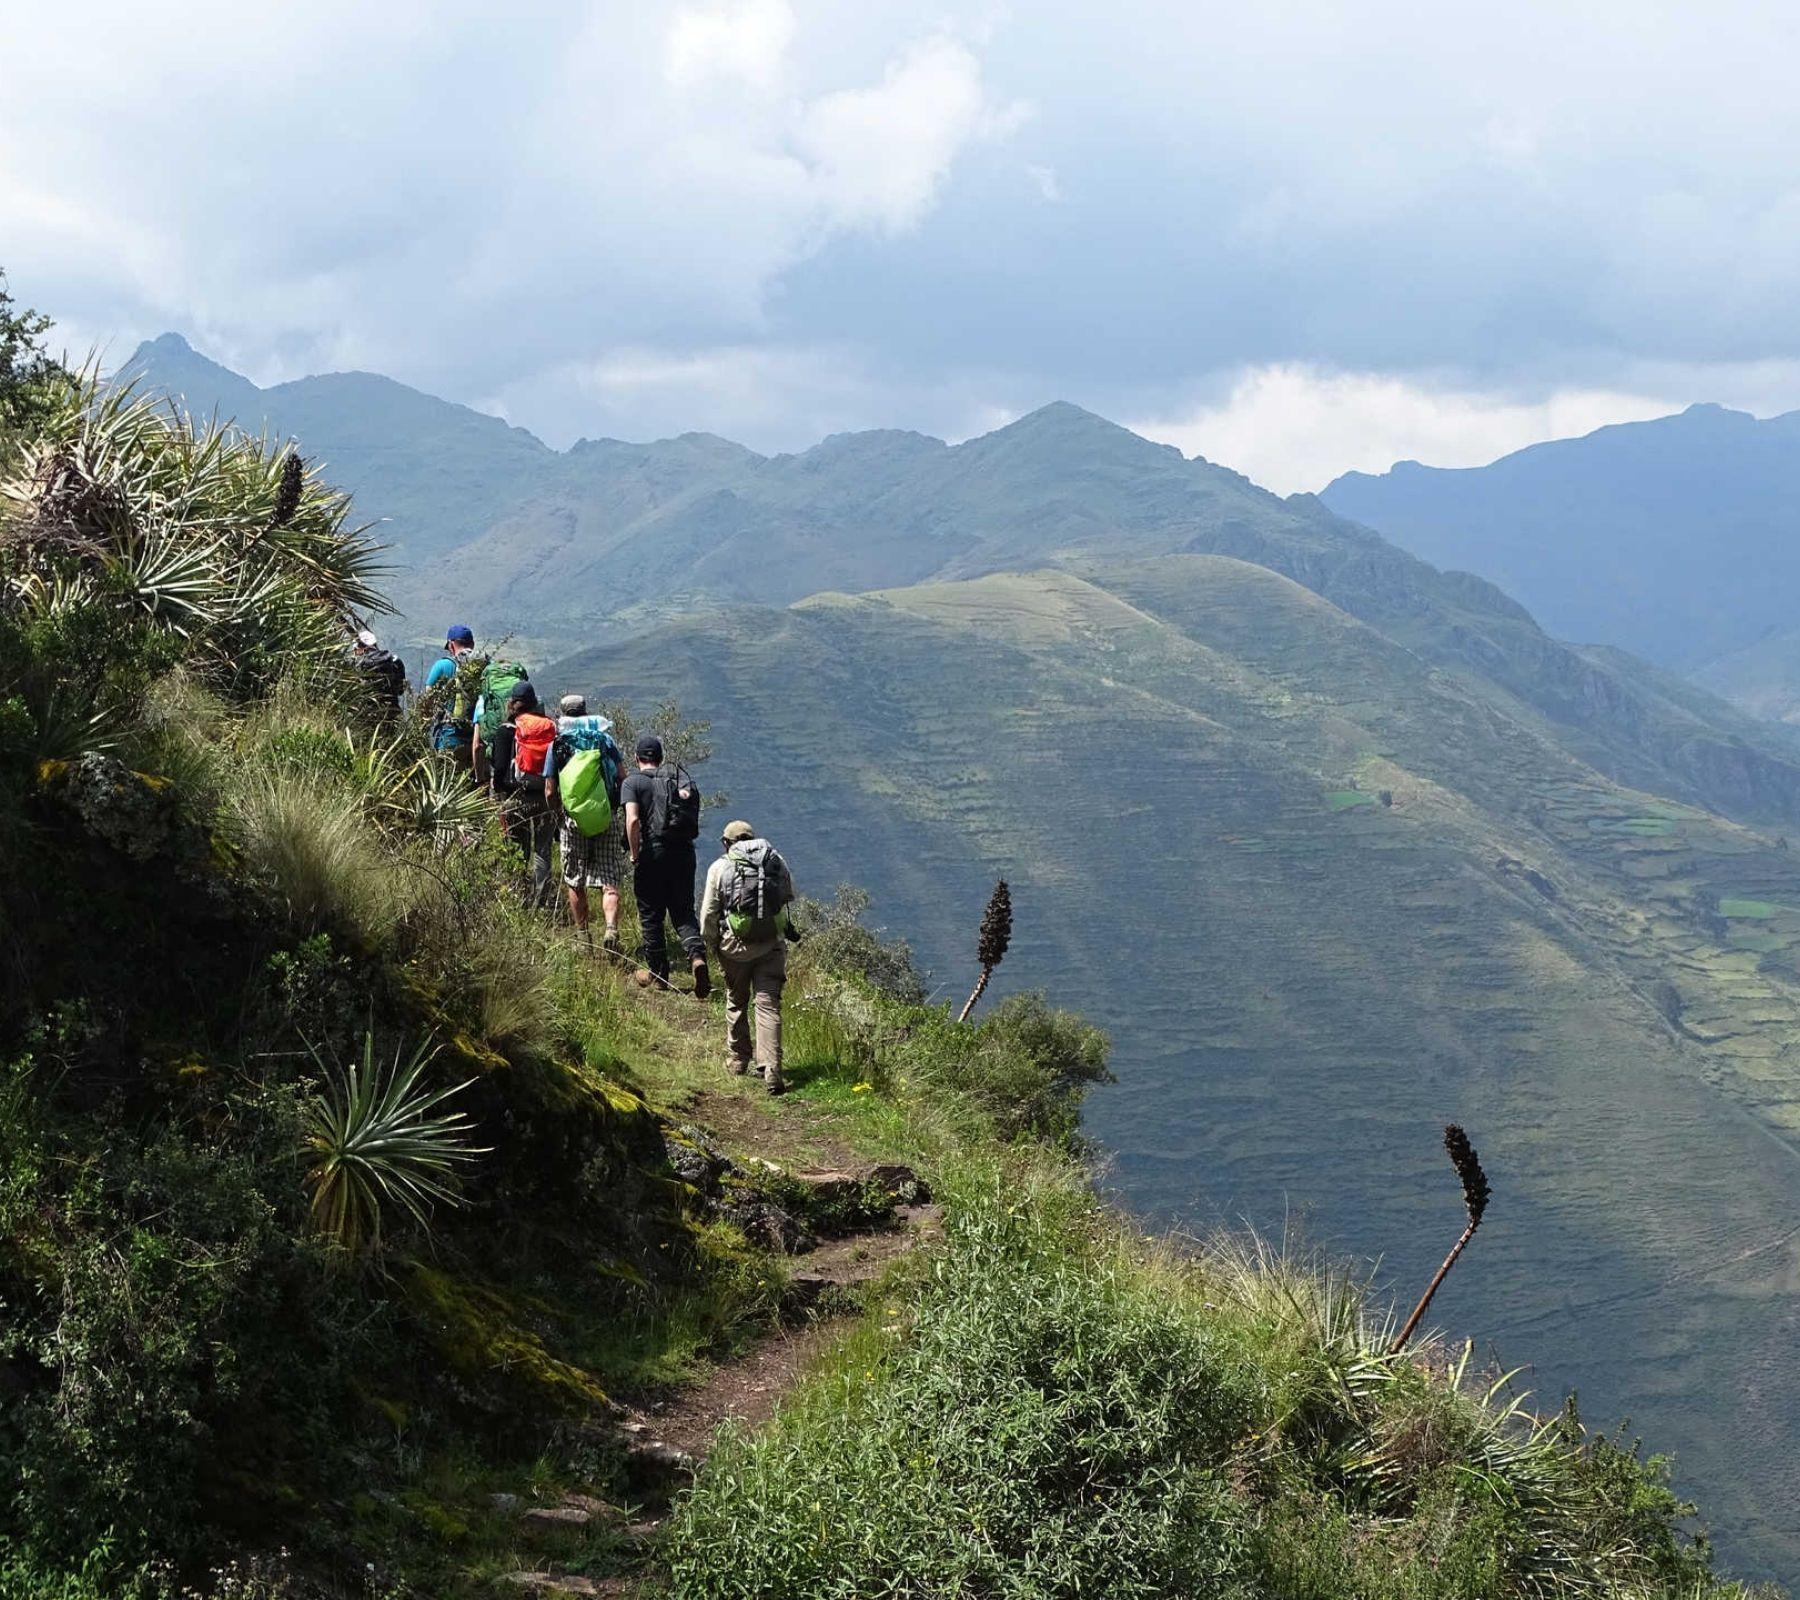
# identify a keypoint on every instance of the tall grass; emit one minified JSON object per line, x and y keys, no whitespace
{"x":1062,"y":1409}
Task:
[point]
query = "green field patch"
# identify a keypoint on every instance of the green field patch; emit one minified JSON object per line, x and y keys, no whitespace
{"x":1633,"y":827}
{"x":1752,"y":909}
{"x":1348,"y":799}
{"x":1765,"y":944}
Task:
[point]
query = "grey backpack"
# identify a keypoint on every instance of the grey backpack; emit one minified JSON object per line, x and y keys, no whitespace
{"x":757,"y":892}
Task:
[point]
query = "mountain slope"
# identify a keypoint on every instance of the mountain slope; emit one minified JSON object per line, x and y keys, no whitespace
{"x":491,"y":527}
{"x":1674,"y":539}
{"x":1184,"y":767}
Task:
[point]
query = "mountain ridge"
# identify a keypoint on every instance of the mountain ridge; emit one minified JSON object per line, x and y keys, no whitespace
{"x":1673,"y":538}
{"x":557,"y":549}
{"x":1322,"y":891}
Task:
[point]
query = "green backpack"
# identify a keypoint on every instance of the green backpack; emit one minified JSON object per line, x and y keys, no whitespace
{"x":497,"y":679}
{"x":583,"y":787}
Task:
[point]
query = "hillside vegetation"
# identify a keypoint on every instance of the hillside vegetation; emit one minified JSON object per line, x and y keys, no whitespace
{"x":239,"y":1363}
{"x":560,"y":550}
{"x":1325,"y":896}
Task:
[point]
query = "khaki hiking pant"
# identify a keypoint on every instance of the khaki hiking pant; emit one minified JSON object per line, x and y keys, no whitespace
{"x":755,"y":984}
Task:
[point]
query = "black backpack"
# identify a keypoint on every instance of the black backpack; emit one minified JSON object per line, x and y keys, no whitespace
{"x":386,"y":675}
{"x":675,"y":812}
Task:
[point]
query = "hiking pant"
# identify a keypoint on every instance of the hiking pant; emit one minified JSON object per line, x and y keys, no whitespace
{"x":531,"y":830}
{"x":755,"y":984}
{"x":663,"y":882}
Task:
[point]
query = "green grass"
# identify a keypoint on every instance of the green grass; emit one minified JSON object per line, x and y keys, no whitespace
{"x":1750,"y":910}
{"x":1061,"y":1408}
{"x":1348,"y":799}
{"x":1647,"y":827}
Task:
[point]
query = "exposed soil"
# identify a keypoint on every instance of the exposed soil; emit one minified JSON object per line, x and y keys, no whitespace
{"x":759,"y":1128}
{"x":670,"y":1438}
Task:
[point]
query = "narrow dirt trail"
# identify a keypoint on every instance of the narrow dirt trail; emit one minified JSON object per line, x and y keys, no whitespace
{"x":668,"y":1439}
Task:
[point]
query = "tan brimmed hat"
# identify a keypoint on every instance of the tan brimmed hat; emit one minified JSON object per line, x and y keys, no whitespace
{"x":737,"y":832}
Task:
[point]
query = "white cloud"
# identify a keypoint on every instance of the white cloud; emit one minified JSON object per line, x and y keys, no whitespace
{"x":1292,"y":427}
{"x":878,"y":154}
{"x":743,"y":39}
{"x":1539,"y":217}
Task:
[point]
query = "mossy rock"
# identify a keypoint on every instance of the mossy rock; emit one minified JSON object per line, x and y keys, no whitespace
{"x":483,"y":1333}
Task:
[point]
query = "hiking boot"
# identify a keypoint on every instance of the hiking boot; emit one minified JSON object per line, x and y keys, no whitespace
{"x":773,"y":1080}
{"x":642,"y":978}
{"x":609,"y":941}
{"x":736,"y":1067}
{"x":702,"y":980}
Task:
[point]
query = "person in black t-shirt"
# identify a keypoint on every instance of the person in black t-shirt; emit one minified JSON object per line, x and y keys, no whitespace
{"x":662,"y":874}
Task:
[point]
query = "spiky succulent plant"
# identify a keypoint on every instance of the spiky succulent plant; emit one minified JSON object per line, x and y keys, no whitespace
{"x":380,"y":1143}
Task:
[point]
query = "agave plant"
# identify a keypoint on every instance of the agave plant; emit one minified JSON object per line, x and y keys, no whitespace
{"x":379,"y":1142}
{"x":199,"y":532}
{"x":418,"y":793}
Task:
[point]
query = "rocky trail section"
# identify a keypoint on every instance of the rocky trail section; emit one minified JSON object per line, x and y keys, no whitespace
{"x":842,"y":1225}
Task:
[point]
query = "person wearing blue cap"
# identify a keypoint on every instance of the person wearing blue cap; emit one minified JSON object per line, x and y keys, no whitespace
{"x":451,"y":726}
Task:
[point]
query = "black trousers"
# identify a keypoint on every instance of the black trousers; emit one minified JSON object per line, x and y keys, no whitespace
{"x":663,"y":881}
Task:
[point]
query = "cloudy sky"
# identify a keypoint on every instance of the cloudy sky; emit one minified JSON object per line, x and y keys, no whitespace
{"x":1295,"y":237}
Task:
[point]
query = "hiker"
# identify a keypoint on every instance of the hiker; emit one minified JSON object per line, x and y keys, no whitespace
{"x":383,"y":672}
{"x":451,"y":724}
{"x":516,"y":758}
{"x":489,"y":715}
{"x":593,"y":852}
{"x":743,"y":916}
{"x":662,"y":820}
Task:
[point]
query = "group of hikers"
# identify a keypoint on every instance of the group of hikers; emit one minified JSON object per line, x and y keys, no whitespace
{"x":559,"y":780}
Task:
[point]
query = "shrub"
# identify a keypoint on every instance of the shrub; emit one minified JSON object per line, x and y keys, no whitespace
{"x":835,"y":941}
{"x":1026,"y":1068}
{"x":1043,"y":1428}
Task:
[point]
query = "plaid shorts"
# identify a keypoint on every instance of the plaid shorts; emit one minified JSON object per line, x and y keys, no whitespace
{"x":594,"y":861}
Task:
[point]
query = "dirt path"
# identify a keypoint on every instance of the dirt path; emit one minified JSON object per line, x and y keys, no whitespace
{"x":668,"y":1439}
{"x":749,"y":1388}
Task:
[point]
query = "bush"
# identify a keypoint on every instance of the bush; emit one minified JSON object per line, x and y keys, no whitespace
{"x":836,"y":942}
{"x":1043,"y":1428}
{"x":1025,"y":1069}
{"x":1062,"y":1410}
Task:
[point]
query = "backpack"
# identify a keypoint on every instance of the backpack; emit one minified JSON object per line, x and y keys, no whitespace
{"x":386,"y":675}
{"x":532,"y":737}
{"x":581,"y":782}
{"x":675,"y":813}
{"x":497,"y":679}
{"x":588,"y":771}
{"x":756,"y":892}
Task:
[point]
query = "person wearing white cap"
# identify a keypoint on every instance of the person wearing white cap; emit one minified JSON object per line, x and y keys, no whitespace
{"x":384,"y":673}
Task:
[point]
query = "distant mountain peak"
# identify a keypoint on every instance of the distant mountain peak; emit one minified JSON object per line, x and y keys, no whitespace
{"x":1061,"y":422}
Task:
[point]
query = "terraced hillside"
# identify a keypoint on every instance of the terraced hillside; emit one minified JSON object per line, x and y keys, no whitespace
{"x":1329,"y":895}
{"x":490,"y":526}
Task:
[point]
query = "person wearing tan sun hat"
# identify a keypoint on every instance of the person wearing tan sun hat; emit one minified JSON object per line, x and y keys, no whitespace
{"x":743,"y":918}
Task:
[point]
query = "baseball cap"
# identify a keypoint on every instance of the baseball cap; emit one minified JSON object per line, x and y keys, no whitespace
{"x":573,"y":705}
{"x":366,"y":639}
{"x":649,"y":748}
{"x":737,"y":832}
{"x":458,"y":634}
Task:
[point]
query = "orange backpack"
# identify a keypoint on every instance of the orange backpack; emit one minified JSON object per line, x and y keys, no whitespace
{"x":532,"y":738}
